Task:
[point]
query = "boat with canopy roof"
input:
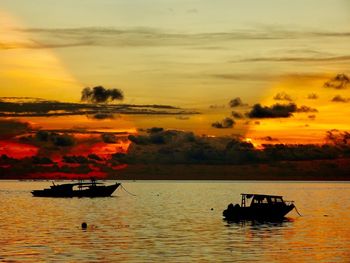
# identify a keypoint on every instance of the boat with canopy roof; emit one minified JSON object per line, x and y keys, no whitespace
{"x":79,"y":189}
{"x":260,"y":207}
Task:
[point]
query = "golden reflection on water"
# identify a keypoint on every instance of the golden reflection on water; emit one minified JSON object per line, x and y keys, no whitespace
{"x":173,"y":221}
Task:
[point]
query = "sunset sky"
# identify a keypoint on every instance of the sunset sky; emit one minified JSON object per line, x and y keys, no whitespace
{"x":197,"y":55}
{"x":185,"y":106}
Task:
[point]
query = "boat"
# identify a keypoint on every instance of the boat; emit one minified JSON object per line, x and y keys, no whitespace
{"x":79,"y":189}
{"x":261,"y":207}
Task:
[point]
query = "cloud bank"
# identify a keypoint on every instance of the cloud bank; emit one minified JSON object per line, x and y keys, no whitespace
{"x":43,"y":108}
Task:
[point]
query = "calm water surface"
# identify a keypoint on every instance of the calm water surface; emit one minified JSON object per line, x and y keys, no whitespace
{"x":173,"y":222}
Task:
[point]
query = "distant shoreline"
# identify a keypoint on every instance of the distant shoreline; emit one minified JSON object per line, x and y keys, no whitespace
{"x":316,"y":170}
{"x":320,"y":170}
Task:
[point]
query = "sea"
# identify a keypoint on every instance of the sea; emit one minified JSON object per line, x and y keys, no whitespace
{"x":173,"y":221}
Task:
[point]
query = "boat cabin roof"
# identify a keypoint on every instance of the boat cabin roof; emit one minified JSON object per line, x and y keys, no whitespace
{"x":71,"y":185}
{"x":260,"y":195}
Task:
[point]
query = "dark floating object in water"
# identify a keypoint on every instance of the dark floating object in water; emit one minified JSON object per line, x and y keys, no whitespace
{"x":262,"y":207}
{"x":83,"y":225}
{"x":91,"y":189}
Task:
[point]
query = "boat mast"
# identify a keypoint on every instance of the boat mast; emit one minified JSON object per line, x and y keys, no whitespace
{"x":93,"y":181}
{"x":243,"y":200}
{"x":80,"y":184}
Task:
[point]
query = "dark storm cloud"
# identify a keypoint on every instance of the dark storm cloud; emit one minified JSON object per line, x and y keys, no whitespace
{"x":340,"y":81}
{"x":339,"y":98}
{"x":100,"y":94}
{"x":275,"y":111}
{"x":174,"y":147}
{"x":62,"y":140}
{"x":156,"y":135}
{"x":155,"y":130}
{"x":179,"y":147}
{"x":75,"y":159}
{"x":236,"y":102}
{"x":10,"y":128}
{"x":224,"y":124}
{"x":282,"y":96}
{"x":109,"y":138}
{"x":187,"y":148}
{"x":312,"y":96}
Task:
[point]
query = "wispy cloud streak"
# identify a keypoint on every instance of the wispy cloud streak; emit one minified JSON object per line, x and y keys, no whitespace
{"x":148,"y":37}
{"x":294,"y":59}
{"x":267,"y":77}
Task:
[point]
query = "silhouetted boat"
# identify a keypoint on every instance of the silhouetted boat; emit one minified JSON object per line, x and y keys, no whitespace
{"x":261,"y":207}
{"x":80,"y":189}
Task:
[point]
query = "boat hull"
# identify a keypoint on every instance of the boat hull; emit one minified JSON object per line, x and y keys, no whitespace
{"x":96,"y":191}
{"x":257,"y":213}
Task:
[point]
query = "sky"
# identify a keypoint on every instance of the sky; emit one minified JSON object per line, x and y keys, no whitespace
{"x":197,"y":55}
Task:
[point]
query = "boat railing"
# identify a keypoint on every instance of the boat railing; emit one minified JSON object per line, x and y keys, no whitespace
{"x":289,"y":202}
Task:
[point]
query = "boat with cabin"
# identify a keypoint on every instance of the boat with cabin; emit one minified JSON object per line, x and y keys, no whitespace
{"x":79,"y":189}
{"x":260,"y":207}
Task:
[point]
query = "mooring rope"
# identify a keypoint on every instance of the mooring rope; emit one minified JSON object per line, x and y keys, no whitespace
{"x":297,"y":211}
{"x":126,"y":190}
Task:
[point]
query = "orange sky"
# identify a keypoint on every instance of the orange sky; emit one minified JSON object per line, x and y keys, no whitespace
{"x":188,"y":65}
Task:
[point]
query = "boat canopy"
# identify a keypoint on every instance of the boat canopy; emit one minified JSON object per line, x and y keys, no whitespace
{"x":71,"y":185}
{"x":248,"y":196}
